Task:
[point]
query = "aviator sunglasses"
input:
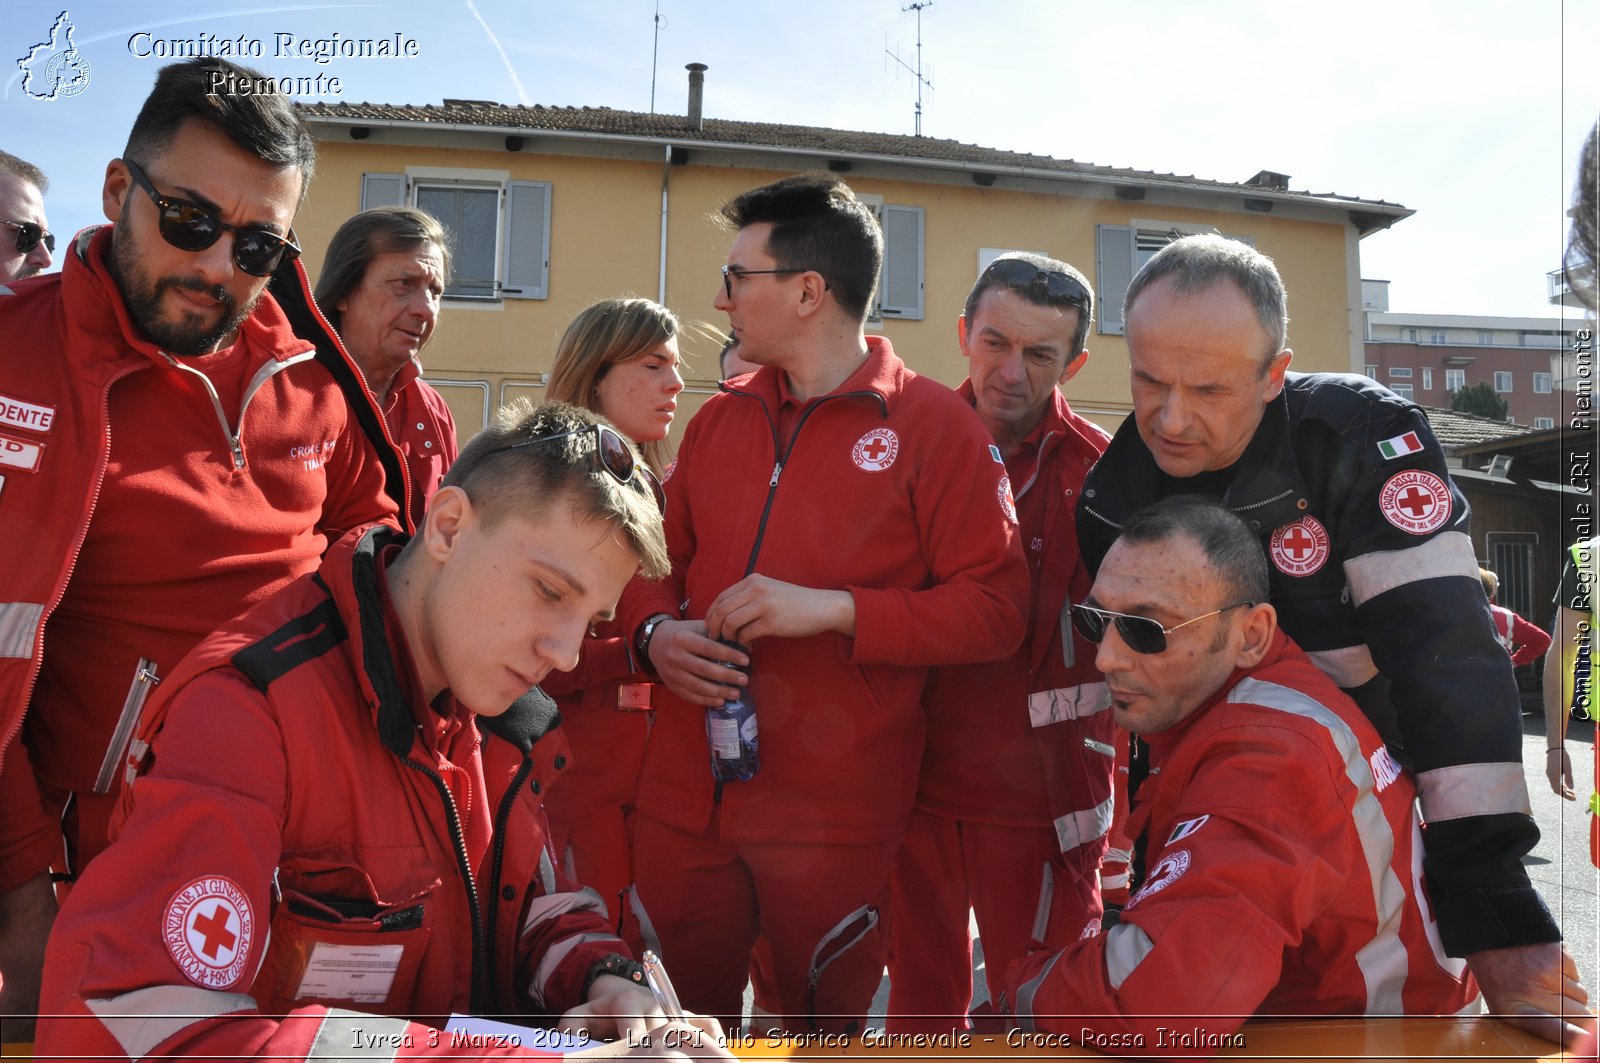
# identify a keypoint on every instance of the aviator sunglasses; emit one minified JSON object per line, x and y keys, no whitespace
{"x":611,"y":450}
{"x":1059,"y":287}
{"x":1141,"y":634}
{"x":188,"y":226}
{"x":30,"y":236}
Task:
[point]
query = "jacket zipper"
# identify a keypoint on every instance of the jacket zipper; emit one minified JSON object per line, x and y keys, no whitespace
{"x":267,"y":371}
{"x":497,"y":857}
{"x":782,"y":454}
{"x":480,"y":996}
{"x":868,"y":916}
{"x":144,"y":681}
{"x":77,"y":549}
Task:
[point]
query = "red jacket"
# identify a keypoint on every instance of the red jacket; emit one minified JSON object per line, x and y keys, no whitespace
{"x":420,"y":423}
{"x":1024,"y":741}
{"x":885,"y":487}
{"x":1285,"y":878}
{"x":1524,"y":641}
{"x":294,"y":843}
{"x":70,"y":342}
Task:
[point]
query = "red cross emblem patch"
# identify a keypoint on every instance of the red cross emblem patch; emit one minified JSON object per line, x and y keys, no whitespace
{"x":1415,"y":501}
{"x":1008,"y":504}
{"x":1299,"y":549}
{"x":876,"y":450}
{"x":208,"y":927}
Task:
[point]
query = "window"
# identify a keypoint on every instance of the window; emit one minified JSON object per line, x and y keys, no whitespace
{"x":1411,"y":334}
{"x":1427,"y":380}
{"x":900,"y":282}
{"x":1404,"y":391}
{"x":1541,"y":383}
{"x":1400,"y":372}
{"x":1502,"y":381}
{"x":1437,"y":336}
{"x":1372,"y":372}
{"x":1544,"y":422}
{"x":1120,"y":250}
{"x":1485,"y":337}
{"x":498,"y":229}
{"x":1455,"y":379}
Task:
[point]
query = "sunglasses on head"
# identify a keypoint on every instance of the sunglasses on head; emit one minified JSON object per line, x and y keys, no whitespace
{"x":1059,"y":287}
{"x":189,"y":226}
{"x":611,"y":450}
{"x":1140,"y":633}
{"x":30,"y":236}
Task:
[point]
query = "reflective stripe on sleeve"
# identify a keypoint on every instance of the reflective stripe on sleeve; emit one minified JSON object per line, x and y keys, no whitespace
{"x":547,"y":870}
{"x":1084,"y":826}
{"x":542,"y":909}
{"x":1446,"y":554}
{"x":1348,"y":667}
{"x":19,"y":628}
{"x":1126,"y":947}
{"x":1473,"y":790}
{"x":552,"y":959}
{"x":1382,"y":959}
{"x":358,"y":1035}
{"x":1026,"y":992}
{"x":144,"y":1018}
{"x":1046,"y":707}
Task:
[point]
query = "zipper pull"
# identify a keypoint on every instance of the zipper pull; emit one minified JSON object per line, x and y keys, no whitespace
{"x":238,"y":452}
{"x":777,"y":468}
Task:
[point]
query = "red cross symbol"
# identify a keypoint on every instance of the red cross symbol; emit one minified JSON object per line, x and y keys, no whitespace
{"x":1415,"y":501}
{"x":875,"y":449}
{"x":1298,"y":543}
{"x":214,"y":928}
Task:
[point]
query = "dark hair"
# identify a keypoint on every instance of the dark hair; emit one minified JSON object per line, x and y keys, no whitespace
{"x":10,"y":164}
{"x":817,"y":224}
{"x":527,"y":481}
{"x":1579,"y":265}
{"x":1230,"y":546}
{"x":260,"y":119}
{"x":365,"y":236}
{"x":1036,"y":292}
{"x":1200,"y":263}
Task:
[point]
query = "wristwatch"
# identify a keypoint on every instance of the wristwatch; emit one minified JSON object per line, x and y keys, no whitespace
{"x":641,"y":644}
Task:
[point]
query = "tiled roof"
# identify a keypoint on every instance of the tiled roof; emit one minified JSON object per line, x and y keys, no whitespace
{"x":1468,"y":429}
{"x":675,"y":128}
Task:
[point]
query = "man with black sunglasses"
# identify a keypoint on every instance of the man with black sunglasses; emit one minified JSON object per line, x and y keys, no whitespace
{"x":1372,"y":571}
{"x":175,"y":444}
{"x":26,"y":242}
{"x":844,"y":524}
{"x":1278,"y":828}
{"x":1014,"y":795}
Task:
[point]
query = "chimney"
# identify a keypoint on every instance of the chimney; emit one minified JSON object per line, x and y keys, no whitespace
{"x":697,"y":91}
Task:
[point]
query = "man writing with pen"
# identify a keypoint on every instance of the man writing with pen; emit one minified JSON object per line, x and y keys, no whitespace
{"x":345,"y":784}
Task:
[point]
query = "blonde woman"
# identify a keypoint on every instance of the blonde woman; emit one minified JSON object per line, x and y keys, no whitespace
{"x":619,"y":358}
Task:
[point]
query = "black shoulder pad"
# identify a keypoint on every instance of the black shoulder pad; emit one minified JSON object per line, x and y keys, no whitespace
{"x":1360,"y":410}
{"x":302,"y":639}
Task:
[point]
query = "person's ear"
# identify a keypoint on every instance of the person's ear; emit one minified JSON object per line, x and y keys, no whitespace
{"x":1073,"y":365}
{"x":114,"y":192}
{"x":1275,"y":370}
{"x":961,"y":334}
{"x":1258,"y":625}
{"x":450,"y":512}
{"x":813,"y":286}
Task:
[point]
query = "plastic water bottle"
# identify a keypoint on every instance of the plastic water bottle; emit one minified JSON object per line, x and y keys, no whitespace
{"x":731,"y":730}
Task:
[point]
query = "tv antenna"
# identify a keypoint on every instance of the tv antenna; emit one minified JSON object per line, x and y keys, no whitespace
{"x":655,"y":52}
{"x":918,"y":7}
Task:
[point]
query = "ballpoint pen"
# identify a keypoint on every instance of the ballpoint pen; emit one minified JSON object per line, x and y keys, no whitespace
{"x":656,"y":975}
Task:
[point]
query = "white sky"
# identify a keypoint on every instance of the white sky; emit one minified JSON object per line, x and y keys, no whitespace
{"x":1470,"y":112}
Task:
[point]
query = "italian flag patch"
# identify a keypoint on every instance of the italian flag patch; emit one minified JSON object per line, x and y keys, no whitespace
{"x":1400,"y":446}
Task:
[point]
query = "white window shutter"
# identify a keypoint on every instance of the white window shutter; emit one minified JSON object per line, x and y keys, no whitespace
{"x":525,"y":272}
{"x":900,"y":284}
{"x":1113,"y":259}
{"x":383,"y":190}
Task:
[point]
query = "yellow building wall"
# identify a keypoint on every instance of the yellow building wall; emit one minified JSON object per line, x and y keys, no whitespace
{"x":605,"y":233}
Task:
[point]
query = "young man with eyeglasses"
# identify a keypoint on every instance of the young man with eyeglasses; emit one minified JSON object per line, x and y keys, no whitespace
{"x":1279,"y":831}
{"x":345,"y":785}
{"x":842,"y":522}
{"x":177,"y":444}
{"x":1014,"y":798}
{"x":26,"y":242}
{"x":1373,"y":573}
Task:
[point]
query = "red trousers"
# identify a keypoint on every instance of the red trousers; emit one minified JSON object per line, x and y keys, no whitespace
{"x":818,"y":912}
{"x":1005,"y":875}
